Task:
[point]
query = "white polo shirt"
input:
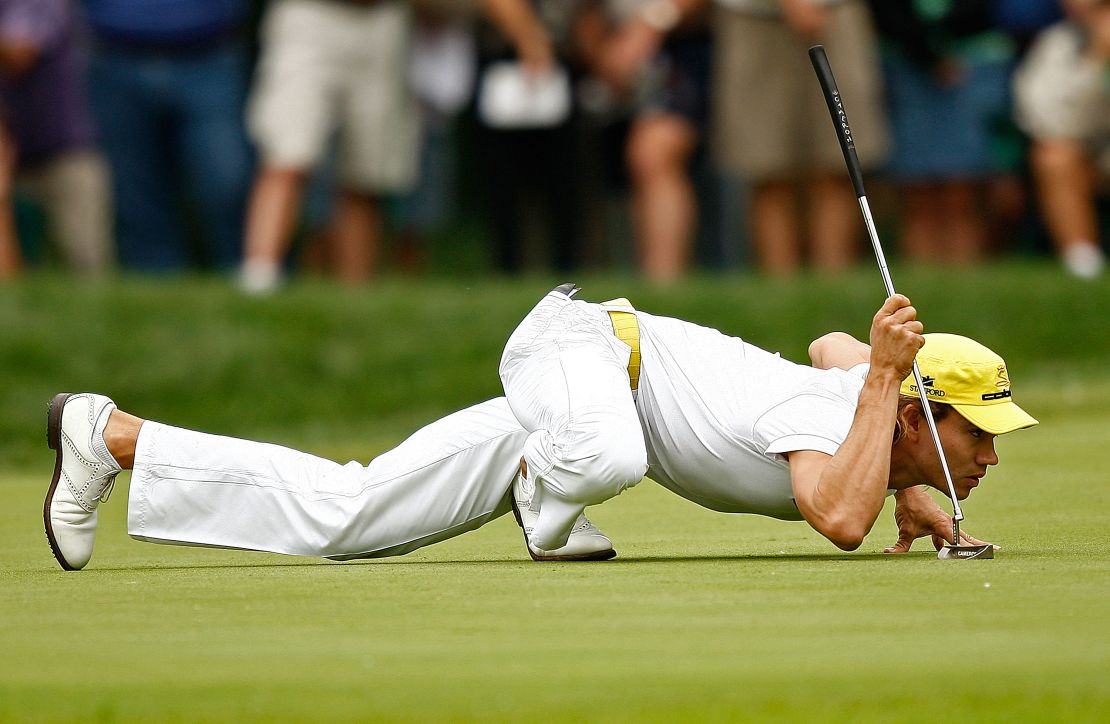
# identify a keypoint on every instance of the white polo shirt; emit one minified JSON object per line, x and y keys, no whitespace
{"x":718,"y":413}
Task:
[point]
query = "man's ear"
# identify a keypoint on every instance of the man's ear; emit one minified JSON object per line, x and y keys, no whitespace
{"x":910,"y":420}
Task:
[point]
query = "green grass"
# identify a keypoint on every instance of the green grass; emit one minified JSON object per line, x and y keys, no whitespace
{"x":703,"y":616}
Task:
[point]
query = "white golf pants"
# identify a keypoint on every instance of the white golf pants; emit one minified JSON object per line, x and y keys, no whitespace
{"x":566,"y":379}
{"x":452,"y":476}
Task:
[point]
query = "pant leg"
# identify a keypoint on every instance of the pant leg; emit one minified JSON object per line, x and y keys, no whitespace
{"x":192,"y":488}
{"x":566,"y":379}
{"x":125,"y":91}
{"x":215,"y":152}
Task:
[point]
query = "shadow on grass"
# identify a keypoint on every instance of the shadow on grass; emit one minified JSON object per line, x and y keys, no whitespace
{"x":621,"y":562}
{"x":801,"y":557}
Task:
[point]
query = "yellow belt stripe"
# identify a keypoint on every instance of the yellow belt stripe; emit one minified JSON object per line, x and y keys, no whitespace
{"x":627,"y":330}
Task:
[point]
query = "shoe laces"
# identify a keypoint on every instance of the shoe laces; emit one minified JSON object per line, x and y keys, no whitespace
{"x":106,"y":488}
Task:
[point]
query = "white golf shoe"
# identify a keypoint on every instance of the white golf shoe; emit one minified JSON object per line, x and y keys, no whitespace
{"x":586,"y":542}
{"x":84,"y":472}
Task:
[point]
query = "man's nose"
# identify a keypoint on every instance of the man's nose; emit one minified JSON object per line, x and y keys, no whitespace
{"x":987,"y":454}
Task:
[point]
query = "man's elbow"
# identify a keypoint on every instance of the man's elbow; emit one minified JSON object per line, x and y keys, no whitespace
{"x":847,"y":542}
{"x":816,"y":350}
{"x":846,"y":535}
{"x":819,"y":348}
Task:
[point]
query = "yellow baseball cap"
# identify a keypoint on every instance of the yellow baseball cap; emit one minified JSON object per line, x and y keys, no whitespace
{"x":960,"y":372}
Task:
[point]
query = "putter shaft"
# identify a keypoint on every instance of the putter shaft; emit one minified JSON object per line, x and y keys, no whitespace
{"x":958,"y":513}
{"x":848,"y":146}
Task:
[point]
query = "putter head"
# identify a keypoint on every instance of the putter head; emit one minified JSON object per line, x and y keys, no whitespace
{"x":965,"y":552}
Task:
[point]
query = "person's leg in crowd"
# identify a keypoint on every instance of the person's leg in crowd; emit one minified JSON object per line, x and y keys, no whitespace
{"x":272,"y":216}
{"x":664,"y":207}
{"x":775,"y":229}
{"x":356,"y":233}
{"x":965,"y":234}
{"x":1066,"y":183}
{"x":834,"y":222}
{"x":11,"y":261}
{"x":920,"y":224}
{"x":10,"y":258}
{"x":941,"y":222}
{"x":75,"y":191}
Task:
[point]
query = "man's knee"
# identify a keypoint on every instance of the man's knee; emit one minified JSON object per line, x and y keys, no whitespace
{"x":660,"y":146}
{"x":616,"y":460}
{"x":1060,"y":159}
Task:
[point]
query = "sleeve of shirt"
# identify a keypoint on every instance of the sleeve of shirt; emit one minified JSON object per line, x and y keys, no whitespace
{"x":808,"y":421}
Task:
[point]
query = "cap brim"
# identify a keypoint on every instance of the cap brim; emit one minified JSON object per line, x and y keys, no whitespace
{"x":997,"y":419}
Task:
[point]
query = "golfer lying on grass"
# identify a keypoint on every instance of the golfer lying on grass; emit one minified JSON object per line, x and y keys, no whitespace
{"x":597,"y":396}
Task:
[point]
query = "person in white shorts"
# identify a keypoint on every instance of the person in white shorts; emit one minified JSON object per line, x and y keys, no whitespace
{"x":597,"y":395}
{"x":328,"y":67}
{"x":1062,"y":103}
{"x":337,"y":69}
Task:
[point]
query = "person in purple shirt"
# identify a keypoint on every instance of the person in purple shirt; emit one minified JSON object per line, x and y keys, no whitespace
{"x":49,"y":137}
{"x":168,"y":83}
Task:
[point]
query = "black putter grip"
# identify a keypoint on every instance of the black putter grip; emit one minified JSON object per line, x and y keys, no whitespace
{"x":839,"y":117}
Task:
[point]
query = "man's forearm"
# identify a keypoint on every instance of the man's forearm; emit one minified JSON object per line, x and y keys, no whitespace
{"x":852,"y":488}
{"x":841,"y":495}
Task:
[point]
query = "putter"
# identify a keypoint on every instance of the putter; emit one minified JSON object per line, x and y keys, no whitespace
{"x":820,"y":61}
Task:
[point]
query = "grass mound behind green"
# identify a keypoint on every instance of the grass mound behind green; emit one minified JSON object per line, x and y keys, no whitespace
{"x":329,"y":366}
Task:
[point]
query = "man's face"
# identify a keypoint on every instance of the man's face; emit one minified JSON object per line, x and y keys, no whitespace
{"x":970,"y":451}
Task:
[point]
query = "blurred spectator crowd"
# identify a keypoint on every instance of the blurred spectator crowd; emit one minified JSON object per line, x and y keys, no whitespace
{"x":271,"y":138}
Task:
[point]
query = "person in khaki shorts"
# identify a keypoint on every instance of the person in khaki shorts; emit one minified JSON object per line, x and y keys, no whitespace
{"x":771,"y":126}
{"x":1062,"y":101}
{"x":329,"y":66}
{"x":340,"y":66}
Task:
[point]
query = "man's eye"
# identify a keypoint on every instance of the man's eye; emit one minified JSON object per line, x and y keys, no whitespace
{"x":977,"y":433}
